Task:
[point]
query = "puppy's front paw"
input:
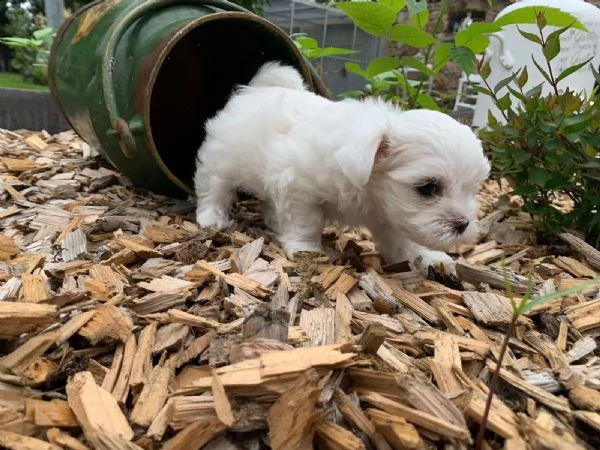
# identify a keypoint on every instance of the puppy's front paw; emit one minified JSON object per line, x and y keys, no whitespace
{"x":434,"y":258}
{"x":292,"y":247}
{"x":212,"y":219}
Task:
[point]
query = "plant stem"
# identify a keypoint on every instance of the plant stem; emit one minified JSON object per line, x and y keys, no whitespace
{"x":553,"y":82}
{"x":438,"y":21}
{"x":494,"y":382}
{"x":489,"y":88}
{"x":427,"y":55}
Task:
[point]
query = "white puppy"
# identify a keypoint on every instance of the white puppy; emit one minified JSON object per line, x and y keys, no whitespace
{"x":411,"y":177}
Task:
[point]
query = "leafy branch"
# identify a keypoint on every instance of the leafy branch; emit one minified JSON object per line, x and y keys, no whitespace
{"x":525,"y":304}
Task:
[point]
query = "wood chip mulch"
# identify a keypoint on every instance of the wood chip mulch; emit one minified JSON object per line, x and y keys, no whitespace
{"x":124,"y":325}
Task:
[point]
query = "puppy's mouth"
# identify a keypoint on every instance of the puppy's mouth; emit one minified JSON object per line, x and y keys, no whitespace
{"x":442,"y":235}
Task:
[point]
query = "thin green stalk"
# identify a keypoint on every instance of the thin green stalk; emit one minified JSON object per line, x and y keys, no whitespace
{"x":494,"y":383}
{"x":489,"y":88}
{"x":438,"y":21}
{"x":550,"y":74}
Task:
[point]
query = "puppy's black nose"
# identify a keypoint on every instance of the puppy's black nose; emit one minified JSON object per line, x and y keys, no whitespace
{"x":460,"y":225}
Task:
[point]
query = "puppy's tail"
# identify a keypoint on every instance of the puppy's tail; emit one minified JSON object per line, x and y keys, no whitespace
{"x":274,"y":74}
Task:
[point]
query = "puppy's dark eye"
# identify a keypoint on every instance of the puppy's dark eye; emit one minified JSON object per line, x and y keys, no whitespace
{"x":430,"y":188}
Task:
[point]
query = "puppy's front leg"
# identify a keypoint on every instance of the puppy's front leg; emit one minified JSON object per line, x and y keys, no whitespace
{"x":299,"y":227}
{"x":214,"y":197}
{"x":396,"y":248}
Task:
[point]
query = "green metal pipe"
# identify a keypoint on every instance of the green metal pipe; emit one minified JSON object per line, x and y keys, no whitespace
{"x":137,"y":79}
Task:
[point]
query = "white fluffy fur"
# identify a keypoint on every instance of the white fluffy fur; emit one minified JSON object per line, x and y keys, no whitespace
{"x":312,"y":159}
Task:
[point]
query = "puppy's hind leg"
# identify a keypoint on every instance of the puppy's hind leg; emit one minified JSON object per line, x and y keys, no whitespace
{"x":270,"y":215}
{"x":214,"y":197}
{"x":299,"y":227}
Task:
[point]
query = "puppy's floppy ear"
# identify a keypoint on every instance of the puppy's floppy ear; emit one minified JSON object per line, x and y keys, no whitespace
{"x":357,"y":159}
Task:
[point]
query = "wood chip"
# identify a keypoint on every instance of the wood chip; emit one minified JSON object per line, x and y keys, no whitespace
{"x":95,"y":408}
{"x":396,"y":430}
{"x":18,"y":318}
{"x":15,"y":441}
{"x":293,"y":428}
{"x":108,"y":322}
{"x":332,"y":436}
{"x":163,"y":334}
{"x":8,"y":248}
{"x":584,"y":316}
{"x":54,"y":413}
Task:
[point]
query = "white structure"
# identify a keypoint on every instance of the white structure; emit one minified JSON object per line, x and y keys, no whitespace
{"x":55,"y":13}
{"x":510,"y":51}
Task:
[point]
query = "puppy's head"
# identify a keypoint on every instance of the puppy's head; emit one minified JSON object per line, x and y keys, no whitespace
{"x":423,"y":169}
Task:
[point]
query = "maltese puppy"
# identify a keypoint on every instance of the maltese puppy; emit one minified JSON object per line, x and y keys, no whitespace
{"x":411,"y":177}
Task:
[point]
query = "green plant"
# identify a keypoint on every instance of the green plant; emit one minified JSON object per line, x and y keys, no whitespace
{"x":520,"y":307}
{"x":311,"y":50}
{"x":546,"y":146}
{"x":310,"y":47}
{"x":19,"y":25}
{"x":547,"y":149}
{"x":389,"y":76}
{"x":34,"y":53}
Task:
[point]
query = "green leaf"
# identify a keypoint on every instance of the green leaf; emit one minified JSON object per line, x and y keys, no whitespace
{"x":539,"y":176}
{"x":381,"y":65}
{"x":525,"y":190}
{"x":418,"y":12}
{"x":558,"y":294}
{"x":504,"y":102}
{"x":328,"y":51}
{"x":485,"y":71}
{"x":411,"y":35}
{"x":426,"y":101}
{"x":395,"y":5}
{"x":542,"y":71}
{"x":523,"y":77}
{"x":411,"y":61}
{"x":481,"y":89}
{"x":528,"y":14}
{"x":516,"y":93}
{"x":576,"y":123}
{"x":595,"y":73}
{"x":483,"y":27}
{"x":415,"y":7}
{"x":19,"y":42}
{"x":530,"y":36}
{"x":307,"y":42}
{"x":373,"y":18}
{"x":504,"y":82}
{"x":541,"y":20}
{"x":558,"y":32}
{"x":441,"y":56}
{"x":534,"y":91}
{"x":552,"y":47}
{"x":464,"y":57}
{"x":476,"y":42}
{"x":355,"y":69}
{"x":43,"y":33}
{"x":521,"y":157}
{"x":569,"y":70}
{"x":492,"y":121}
{"x":421,"y":19}
{"x":591,"y":165}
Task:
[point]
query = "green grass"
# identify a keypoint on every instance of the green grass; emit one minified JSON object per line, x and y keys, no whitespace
{"x":14,"y":80}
